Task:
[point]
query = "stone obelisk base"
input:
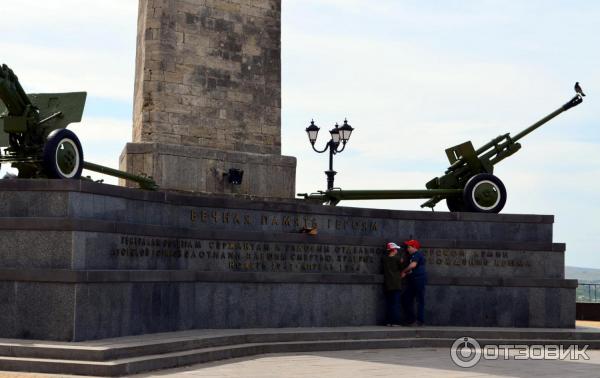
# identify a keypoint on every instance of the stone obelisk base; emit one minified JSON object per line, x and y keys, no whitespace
{"x":201,"y":169}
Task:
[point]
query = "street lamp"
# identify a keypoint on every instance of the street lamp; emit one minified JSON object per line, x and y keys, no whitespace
{"x":338,"y":134}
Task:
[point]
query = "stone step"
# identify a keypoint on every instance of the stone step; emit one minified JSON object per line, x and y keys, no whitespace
{"x":111,"y":349}
{"x":176,"y":359}
{"x":135,"y":355}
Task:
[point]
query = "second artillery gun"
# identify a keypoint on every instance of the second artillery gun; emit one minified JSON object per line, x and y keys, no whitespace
{"x":33,"y":130}
{"x":467,"y":185}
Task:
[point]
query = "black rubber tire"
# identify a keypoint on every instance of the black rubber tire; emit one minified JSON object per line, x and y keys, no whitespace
{"x":456,"y":204}
{"x":474,"y":184}
{"x":63,"y":155}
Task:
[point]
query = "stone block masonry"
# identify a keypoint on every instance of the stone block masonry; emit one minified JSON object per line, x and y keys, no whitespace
{"x":199,"y":169}
{"x":208,"y":75}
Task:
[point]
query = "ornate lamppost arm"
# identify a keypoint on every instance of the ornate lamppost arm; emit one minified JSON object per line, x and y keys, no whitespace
{"x":324,"y":149}
{"x":338,"y":135}
{"x":336,"y":150}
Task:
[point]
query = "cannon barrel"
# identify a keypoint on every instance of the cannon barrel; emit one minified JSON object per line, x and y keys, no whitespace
{"x":11,"y":92}
{"x":501,"y":142}
{"x":572,"y":103}
{"x":512,"y":141}
{"x":390,"y":194}
{"x":144,"y":182}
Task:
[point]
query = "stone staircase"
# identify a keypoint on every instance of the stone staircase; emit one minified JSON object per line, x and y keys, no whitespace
{"x":136,"y":354}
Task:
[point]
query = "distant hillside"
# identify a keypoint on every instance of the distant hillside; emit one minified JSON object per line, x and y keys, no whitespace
{"x":584,"y":275}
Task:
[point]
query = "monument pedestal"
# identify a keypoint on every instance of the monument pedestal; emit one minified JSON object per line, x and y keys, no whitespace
{"x":201,"y":169}
{"x":81,"y":261}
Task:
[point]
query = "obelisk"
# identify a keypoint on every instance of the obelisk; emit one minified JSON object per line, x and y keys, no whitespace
{"x":207,"y":98}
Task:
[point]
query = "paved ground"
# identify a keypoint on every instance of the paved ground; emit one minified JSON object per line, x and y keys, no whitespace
{"x":384,"y":363}
{"x":419,"y":362}
{"x":587,"y":323}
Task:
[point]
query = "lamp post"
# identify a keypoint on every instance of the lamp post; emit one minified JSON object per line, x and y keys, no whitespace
{"x":338,"y":134}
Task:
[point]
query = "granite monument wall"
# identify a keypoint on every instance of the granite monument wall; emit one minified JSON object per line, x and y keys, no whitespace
{"x":80,"y":261}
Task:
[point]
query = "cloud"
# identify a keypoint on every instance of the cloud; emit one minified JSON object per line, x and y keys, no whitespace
{"x":71,"y":45}
{"x":66,"y":70}
{"x":35,"y":19}
{"x":103,"y":130}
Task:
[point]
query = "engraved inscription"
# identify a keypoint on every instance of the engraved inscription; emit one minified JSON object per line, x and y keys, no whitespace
{"x":230,"y":255}
{"x":227,"y":217}
{"x":459,"y":257}
{"x":251,"y":256}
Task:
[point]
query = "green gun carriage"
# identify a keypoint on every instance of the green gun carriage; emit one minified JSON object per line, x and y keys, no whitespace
{"x":469,"y":183}
{"x":34,"y":135}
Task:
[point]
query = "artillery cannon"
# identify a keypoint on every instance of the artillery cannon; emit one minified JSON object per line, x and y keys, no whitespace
{"x":467,"y":185}
{"x":33,"y":130}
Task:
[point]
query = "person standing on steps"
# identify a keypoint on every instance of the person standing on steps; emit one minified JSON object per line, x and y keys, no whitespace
{"x":393,"y":263}
{"x":416,"y":280}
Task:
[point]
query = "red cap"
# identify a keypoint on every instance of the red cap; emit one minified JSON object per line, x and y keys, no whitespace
{"x":413,"y":243}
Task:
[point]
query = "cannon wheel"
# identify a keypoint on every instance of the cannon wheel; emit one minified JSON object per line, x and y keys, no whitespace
{"x":63,"y":155}
{"x":484,"y":193}
{"x":456,"y":204}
